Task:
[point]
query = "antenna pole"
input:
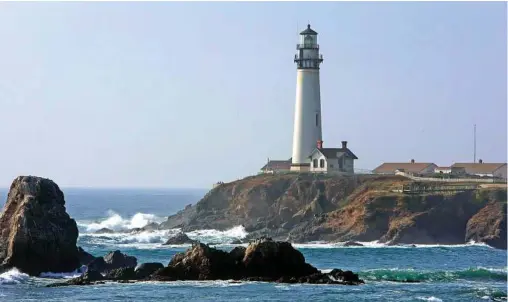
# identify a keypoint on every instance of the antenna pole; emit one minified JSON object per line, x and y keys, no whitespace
{"x":474,"y":154}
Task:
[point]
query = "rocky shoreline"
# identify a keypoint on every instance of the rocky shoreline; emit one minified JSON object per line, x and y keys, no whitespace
{"x":263,"y":260}
{"x":37,"y":235}
{"x":303,"y":208}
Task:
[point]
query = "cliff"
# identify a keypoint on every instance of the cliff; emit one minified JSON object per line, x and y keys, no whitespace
{"x":311,"y":207}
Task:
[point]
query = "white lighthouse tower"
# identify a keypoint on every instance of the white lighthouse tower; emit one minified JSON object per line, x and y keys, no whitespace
{"x":307,"y":122}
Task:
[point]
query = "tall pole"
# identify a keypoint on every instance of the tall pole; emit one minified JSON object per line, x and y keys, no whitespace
{"x":474,"y":154}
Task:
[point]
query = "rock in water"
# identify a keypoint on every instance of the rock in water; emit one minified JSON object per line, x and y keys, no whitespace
{"x":113,"y":260}
{"x":88,"y":278}
{"x":351,"y":243}
{"x":123,"y":273}
{"x":180,"y":238}
{"x":273,"y":259}
{"x":104,"y":231}
{"x":146,"y":269}
{"x":489,"y":225}
{"x":36,"y":233}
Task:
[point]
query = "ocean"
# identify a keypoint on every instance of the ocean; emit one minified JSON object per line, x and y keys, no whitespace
{"x":470,"y":272}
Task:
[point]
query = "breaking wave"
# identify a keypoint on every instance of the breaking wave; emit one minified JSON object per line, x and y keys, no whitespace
{"x":377,"y":244}
{"x":13,"y":276}
{"x":68,"y":275}
{"x":117,"y":223}
{"x":155,"y":238}
{"x":410,"y":275}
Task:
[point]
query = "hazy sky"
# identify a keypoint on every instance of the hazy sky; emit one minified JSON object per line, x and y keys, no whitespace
{"x":187,"y":94}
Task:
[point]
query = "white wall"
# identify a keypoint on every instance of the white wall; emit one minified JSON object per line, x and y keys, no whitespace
{"x":332,"y":164}
{"x":308,"y":104}
{"x":318,"y":156}
{"x":444,"y":171}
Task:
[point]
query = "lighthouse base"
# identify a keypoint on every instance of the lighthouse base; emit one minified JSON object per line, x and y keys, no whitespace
{"x":300,"y":167}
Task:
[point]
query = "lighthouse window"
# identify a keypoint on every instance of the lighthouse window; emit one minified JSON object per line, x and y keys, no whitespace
{"x":317,"y":120}
{"x":321,"y":163}
{"x":314,"y":163}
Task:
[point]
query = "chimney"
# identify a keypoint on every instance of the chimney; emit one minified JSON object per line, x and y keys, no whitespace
{"x":412,"y":161}
{"x":344,"y":144}
{"x":480,"y":161}
{"x":320,"y":144}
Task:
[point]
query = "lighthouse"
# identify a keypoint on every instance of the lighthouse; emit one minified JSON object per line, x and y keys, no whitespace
{"x":307,"y":121}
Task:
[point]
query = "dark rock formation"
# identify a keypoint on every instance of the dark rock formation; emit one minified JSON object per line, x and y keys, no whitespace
{"x":236,"y":241}
{"x":180,"y":238}
{"x":36,"y":233}
{"x":123,"y":273}
{"x":146,"y":269}
{"x":113,"y":260}
{"x":202,"y":262}
{"x":272,"y":259}
{"x":263,"y":260}
{"x":352,"y":243}
{"x":489,"y":225}
{"x":88,"y":278}
{"x":104,"y":231}
{"x":84,"y":257}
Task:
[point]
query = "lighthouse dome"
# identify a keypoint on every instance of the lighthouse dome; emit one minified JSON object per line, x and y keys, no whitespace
{"x":308,"y":31}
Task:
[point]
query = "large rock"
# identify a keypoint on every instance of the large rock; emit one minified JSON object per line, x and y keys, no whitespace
{"x":489,"y":225}
{"x":202,"y":262}
{"x":267,"y":258}
{"x":112,"y":260}
{"x":262,"y":260}
{"x":36,"y":233}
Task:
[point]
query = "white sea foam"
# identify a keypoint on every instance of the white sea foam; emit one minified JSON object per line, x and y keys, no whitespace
{"x":154,"y":239}
{"x":116,"y":222}
{"x":377,"y":244}
{"x":431,"y":298}
{"x":237,"y":232}
{"x":68,"y":275}
{"x":13,"y":276}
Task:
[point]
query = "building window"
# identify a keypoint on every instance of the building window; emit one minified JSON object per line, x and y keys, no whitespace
{"x":314,"y":162}
{"x":317,"y":120}
{"x":321,"y":163}
{"x":340,"y":163}
{"x":331,"y":166}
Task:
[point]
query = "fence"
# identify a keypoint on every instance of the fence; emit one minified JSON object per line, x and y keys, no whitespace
{"x":456,"y":180}
{"x":421,"y":188}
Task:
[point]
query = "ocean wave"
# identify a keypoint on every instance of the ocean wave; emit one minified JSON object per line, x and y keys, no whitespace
{"x":152,"y":239}
{"x":377,"y":244}
{"x":68,"y":275}
{"x":485,"y":293}
{"x":117,"y":223}
{"x":410,"y":275}
{"x":13,"y":276}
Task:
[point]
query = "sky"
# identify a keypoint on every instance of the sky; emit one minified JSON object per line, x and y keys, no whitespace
{"x":185,"y":94}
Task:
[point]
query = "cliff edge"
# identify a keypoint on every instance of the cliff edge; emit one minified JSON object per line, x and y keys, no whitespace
{"x":318,"y":207}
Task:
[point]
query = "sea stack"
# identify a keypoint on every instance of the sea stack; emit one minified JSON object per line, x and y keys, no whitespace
{"x":36,"y":233}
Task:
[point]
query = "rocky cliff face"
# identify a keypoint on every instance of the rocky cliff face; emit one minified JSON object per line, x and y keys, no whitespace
{"x":307,"y":207}
{"x":36,"y":233}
